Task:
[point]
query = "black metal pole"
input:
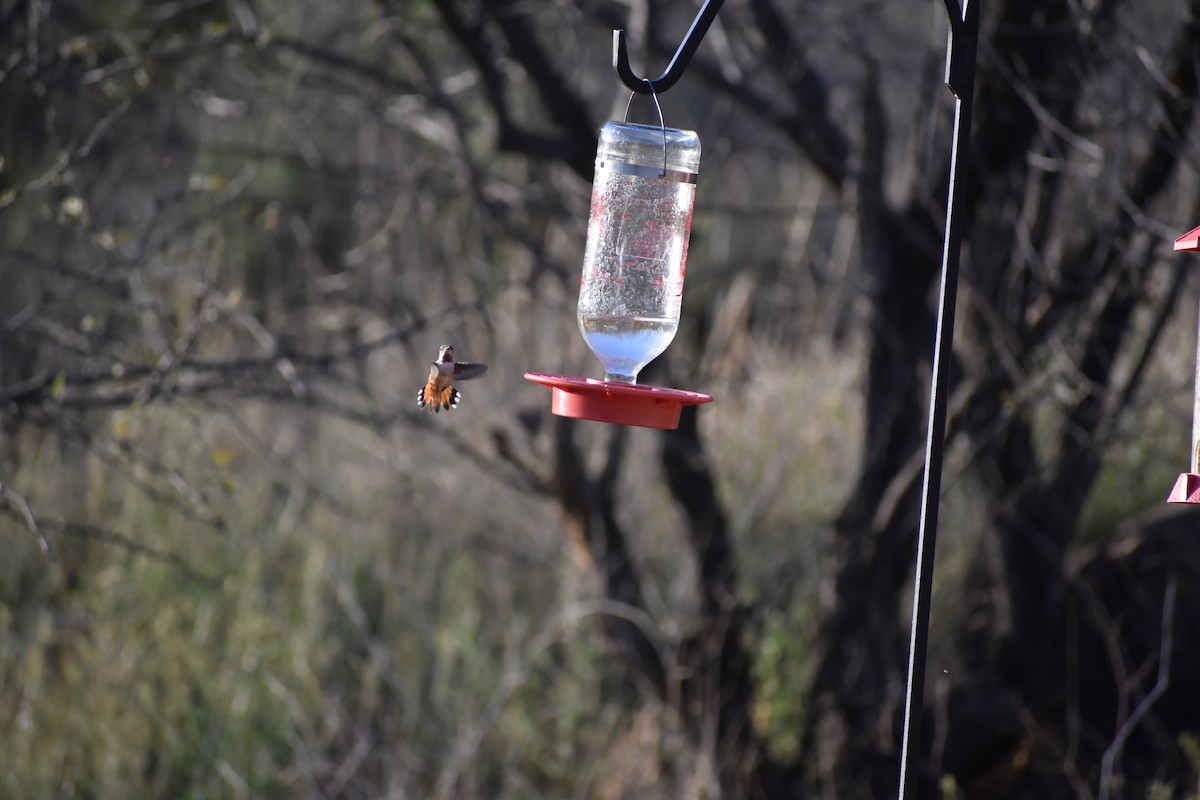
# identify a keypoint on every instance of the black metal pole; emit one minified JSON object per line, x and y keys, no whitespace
{"x":960,"y":77}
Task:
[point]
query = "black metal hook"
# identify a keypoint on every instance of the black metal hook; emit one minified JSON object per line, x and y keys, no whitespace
{"x":687,"y":49}
{"x":961,"y":47}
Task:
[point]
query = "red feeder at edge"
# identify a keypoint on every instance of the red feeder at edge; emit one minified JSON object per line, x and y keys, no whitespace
{"x":1187,"y":485}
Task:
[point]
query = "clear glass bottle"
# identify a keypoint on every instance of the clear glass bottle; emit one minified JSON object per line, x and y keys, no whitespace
{"x":636,"y":256}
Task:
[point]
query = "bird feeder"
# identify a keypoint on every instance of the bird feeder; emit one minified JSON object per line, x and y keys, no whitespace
{"x":634,"y":264}
{"x":1187,"y":486}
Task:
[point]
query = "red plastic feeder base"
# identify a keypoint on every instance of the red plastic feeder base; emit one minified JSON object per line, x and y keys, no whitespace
{"x":1187,"y":489}
{"x":616,"y":403}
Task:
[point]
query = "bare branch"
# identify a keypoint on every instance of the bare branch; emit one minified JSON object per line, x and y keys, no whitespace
{"x":1113,"y":752}
{"x":66,"y":158}
{"x":16,"y":504}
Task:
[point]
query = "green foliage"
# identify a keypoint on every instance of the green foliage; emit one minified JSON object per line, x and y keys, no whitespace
{"x":782,"y":674}
{"x":304,"y":646}
{"x":1142,"y":466}
{"x":1189,"y":745}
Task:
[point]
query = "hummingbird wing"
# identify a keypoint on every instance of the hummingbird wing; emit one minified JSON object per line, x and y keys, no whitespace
{"x":465,"y":370}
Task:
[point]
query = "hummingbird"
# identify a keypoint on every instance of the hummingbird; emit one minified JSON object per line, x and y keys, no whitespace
{"x":438,"y":391}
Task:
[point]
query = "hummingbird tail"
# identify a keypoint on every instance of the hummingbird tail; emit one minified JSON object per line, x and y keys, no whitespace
{"x":433,"y":399}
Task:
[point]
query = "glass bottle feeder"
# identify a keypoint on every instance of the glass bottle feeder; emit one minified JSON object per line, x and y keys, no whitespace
{"x":1187,"y":486}
{"x":634,"y":264}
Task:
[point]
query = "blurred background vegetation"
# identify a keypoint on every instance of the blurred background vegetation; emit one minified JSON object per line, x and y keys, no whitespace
{"x":240,"y":563}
